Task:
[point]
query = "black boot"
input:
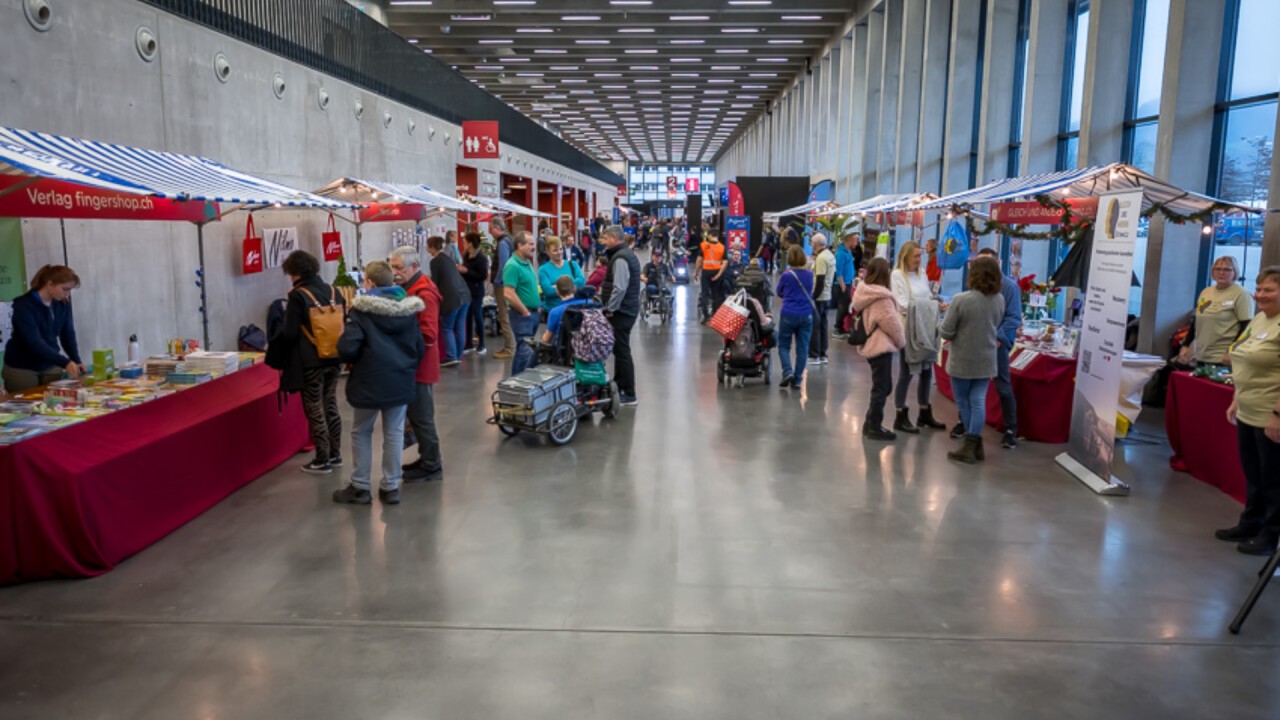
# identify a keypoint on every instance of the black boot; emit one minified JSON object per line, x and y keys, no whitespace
{"x":957,"y":432}
{"x":924,"y":419}
{"x":968,"y":452}
{"x":903,"y":422}
{"x":874,"y":431}
{"x":979,"y":452}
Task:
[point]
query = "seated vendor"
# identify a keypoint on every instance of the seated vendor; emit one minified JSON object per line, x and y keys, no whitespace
{"x":1222,"y":312}
{"x":566,"y":290}
{"x":42,"y":345}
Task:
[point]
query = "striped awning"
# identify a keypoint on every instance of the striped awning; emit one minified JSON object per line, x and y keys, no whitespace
{"x":369,"y":192}
{"x":138,"y":171}
{"x":883,"y":203}
{"x":1084,"y":182}
{"x":507,"y":206}
{"x":805,"y":209}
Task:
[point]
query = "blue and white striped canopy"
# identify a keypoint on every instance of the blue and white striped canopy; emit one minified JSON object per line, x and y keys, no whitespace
{"x":1080,"y":183}
{"x":804,"y":209}
{"x":138,"y":171}
{"x":883,"y":203}
{"x":507,"y":206}
{"x":368,"y":192}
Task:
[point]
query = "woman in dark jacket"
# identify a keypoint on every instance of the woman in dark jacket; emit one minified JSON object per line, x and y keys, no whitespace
{"x":303,"y":370}
{"x":475,"y":271}
{"x":455,"y":300}
{"x":383,"y":343}
{"x":41,"y":322}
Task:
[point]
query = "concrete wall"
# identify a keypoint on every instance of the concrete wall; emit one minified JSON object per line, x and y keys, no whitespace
{"x":84,"y":78}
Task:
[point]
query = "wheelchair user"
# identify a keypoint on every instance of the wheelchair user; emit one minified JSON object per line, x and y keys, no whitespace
{"x":656,"y":276}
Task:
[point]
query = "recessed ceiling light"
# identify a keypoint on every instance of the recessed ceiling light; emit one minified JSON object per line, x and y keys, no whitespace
{"x":615,"y":87}
{"x":496,"y":42}
{"x":741,"y":31}
{"x":685,"y":75}
{"x":488,"y":67}
{"x":564,"y":68}
{"x":771,"y":59}
{"x":550,"y":51}
{"x":643,"y":68}
{"x":470,"y":18}
{"x":801,"y":17}
{"x":520,"y":2}
{"x":535,"y":30}
{"x":635,"y":30}
{"x":688,"y":42}
{"x":720,"y":81}
{"x":685,"y":18}
{"x":642,"y":52}
{"x":630,"y":2}
{"x":764,"y":75}
{"x":411,"y":3}
{"x":528,"y":74}
{"x":579,"y":18}
{"x":573,"y":81}
{"x":601,"y":59}
{"x":591,"y":42}
{"x":608,"y":75}
{"x":732,"y":52}
{"x":726,"y":67}
{"x":647,"y":80}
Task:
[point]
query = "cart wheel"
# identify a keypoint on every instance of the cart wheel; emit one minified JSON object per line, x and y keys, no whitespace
{"x":508,"y":430}
{"x":615,"y":401}
{"x":563,"y":423}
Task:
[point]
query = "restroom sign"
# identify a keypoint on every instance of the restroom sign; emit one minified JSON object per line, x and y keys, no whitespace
{"x":480,"y":140}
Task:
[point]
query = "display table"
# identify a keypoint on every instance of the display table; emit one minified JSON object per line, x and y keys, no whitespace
{"x":77,"y":501}
{"x":1204,"y":443}
{"x":1043,"y":390}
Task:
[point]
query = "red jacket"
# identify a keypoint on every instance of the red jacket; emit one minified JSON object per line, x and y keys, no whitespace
{"x":429,"y":322}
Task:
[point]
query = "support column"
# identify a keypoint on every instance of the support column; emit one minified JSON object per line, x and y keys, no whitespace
{"x":1047,"y":48}
{"x":834,"y":74}
{"x":858,"y":124}
{"x":1184,"y":148}
{"x":933,"y":96}
{"x":999,"y":63}
{"x":890,"y":85}
{"x":958,"y":138}
{"x":909,"y":94}
{"x":1106,"y":74}
{"x":1271,"y":233}
{"x":844,"y":121}
{"x":871,"y":137}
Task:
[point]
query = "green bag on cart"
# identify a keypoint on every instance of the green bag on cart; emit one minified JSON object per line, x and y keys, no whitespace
{"x":590,"y":373}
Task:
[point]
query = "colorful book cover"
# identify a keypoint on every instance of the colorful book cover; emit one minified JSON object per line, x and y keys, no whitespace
{"x":10,"y":434}
{"x":45,"y":422}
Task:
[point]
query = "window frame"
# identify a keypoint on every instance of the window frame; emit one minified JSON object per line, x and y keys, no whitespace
{"x":1065,"y":134}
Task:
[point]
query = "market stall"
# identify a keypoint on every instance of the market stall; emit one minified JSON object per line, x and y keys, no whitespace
{"x":507,"y":207}
{"x":93,"y":470}
{"x":1204,"y":443}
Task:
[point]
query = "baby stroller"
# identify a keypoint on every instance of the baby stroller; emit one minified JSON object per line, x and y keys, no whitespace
{"x":748,"y":354}
{"x":552,"y":396}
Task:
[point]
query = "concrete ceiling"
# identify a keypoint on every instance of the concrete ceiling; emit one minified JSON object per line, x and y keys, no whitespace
{"x":637,"y":80}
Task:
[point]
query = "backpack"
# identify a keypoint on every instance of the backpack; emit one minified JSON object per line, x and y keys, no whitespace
{"x":327,"y":324}
{"x":857,"y":329}
{"x":275,"y":316}
{"x":593,"y":340}
{"x":742,"y":351}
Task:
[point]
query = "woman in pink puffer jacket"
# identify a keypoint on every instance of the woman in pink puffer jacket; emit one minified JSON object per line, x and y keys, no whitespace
{"x":873,"y":301}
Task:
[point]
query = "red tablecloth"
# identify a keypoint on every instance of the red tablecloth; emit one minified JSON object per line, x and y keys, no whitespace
{"x":1204,"y":443}
{"x":77,"y":501}
{"x":1043,"y":390}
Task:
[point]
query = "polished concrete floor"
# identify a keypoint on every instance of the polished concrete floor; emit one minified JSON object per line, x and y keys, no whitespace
{"x":712,"y":554}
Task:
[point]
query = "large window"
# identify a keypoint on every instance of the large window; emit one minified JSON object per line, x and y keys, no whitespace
{"x":1019,"y":87}
{"x":1245,"y":128}
{"x":648,"y":183}
{"x":1142,"y":110}
{"x":1073,"y":84}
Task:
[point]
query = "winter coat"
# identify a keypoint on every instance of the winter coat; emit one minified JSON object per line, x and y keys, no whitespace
{"x":477,"y":273}
{"x":383,"y":343}
{"x":289,"y":350}
{"x":972,"y":324}
{"x":420,"y":286}
{"x":37,"y":331}
{"x":880,"y":317}
{"x":454,"y":292}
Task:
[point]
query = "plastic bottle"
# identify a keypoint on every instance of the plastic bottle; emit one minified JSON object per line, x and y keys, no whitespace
{"x":135,"y":349}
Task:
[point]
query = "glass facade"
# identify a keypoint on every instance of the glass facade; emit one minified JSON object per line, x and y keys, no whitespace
{"x":1073,"y":84}
{"x":649,"y":183}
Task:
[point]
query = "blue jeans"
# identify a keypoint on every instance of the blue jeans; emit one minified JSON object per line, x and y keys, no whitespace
{"x":797,"y":328}
{"x":523,"y":327}
{"x":453,"y":327}
{"x":971,"y":397}
{"x":392,"y":446}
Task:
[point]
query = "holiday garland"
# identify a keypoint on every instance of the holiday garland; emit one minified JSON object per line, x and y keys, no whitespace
{"x":1074,"y":227}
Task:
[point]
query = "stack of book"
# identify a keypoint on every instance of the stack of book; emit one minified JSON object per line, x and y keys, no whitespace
{"x":159,"y":366}
{"x":214,"y":363}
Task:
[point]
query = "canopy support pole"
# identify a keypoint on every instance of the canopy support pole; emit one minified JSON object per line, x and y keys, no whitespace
{"x":359,"y":246}
{"x":62,"y":224}
{"x":204,"y":296}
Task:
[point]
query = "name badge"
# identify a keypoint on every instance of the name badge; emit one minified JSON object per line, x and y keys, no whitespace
{"x":1229,"y":304}
{"x":1262,"y":336}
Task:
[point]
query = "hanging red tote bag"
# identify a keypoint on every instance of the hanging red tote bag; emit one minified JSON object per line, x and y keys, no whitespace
{"x":331,"y":240}
{"x":251,"y":256}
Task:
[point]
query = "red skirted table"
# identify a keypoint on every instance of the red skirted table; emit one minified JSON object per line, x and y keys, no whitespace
{"x":75,"y":502}
{"x":1204,"y":443}
{"x":1043,"y":390}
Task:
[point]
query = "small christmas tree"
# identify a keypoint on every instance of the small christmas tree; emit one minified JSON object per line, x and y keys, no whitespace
{"x":344,"y":278}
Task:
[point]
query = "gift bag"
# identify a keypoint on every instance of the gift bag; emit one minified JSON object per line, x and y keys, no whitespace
{"x":732,"y":316}
{"x":251,"y":258}
{"x":953,"y":251}
{"x":331,"y":241}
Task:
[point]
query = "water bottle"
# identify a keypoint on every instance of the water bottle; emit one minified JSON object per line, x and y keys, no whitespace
{"x":135,"y":349}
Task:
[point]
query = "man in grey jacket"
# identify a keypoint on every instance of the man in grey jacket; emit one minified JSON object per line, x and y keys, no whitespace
{"x":620,"y":294}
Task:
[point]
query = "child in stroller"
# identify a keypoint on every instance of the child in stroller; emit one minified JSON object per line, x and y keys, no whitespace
{"x":657,"y":279}
{"x":748,"y":354}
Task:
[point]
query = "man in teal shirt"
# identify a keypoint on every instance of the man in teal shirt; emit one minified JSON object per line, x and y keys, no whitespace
{"x":520,"y":285}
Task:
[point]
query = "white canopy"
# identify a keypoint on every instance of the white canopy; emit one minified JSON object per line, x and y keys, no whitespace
{"x":1084,"y":182}
{"x":368,"y":192}
{"x":509,"y":207}
{"x":883,"y":203}
{"x":804,"y":209}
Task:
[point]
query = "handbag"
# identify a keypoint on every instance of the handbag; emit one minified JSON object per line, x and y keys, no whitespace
{"x":858,"y":334}
{"x":331,"y":241}
{"x":732,"y":316}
